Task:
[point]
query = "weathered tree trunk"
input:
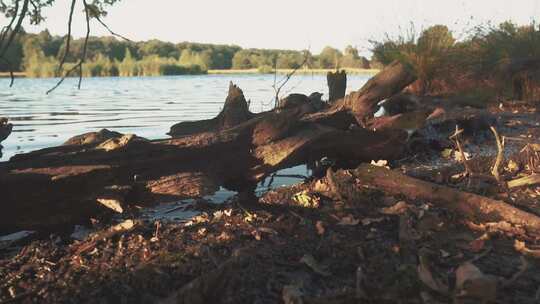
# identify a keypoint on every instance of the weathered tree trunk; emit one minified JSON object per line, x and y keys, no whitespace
{"x":235,"y":111}
{"x":337,"y":85}
{"x":388,"y":82}
{"x":236,"y":150}
{"x":469,"y":205}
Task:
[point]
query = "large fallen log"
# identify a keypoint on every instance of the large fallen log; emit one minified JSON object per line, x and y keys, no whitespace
{"x":469,"y":205}
{"x":236,"y":150}
{"x":358,"y":106}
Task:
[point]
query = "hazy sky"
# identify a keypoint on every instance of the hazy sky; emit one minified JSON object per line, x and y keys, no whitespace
{"x":290,"y":24}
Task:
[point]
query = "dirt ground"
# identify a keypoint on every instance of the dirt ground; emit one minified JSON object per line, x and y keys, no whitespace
{"x":300,"y":246}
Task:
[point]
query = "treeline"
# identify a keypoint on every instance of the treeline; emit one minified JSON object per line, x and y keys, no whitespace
{"x":494,"y":62}
{"x":38,"y":55}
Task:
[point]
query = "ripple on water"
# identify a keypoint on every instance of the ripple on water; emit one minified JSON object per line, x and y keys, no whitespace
{"x":146,"y":105}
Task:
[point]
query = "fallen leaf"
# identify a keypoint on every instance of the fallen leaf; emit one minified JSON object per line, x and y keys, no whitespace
{"x":512,"y":166}
{"x":380,"y":163}
{"x":291,"y":294}
{"x":426,"y":276}
{"x":250,"y":217}
{"x":447,"y":153}
{"x":224,"y":236}
{"x":256,"y":234}
{"x":520,"y":247}
{"x":112,"y":204}
{"x":399,"y":208}
{"x":368,"y":221}
{"x":444,"y":254}
{"x":123,"y":226}
{"x":471,"y":282}
{"x":348,"y":220}
{"x":321,"y":186}
{"x":310,"y":261}
{"x":306,"y":200}
{"x":320,"y":227}
{"x":458,"y":157}
{"x":477,"y":245}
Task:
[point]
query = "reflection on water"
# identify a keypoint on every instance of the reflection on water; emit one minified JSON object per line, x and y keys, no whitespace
{"x":147,"y":106}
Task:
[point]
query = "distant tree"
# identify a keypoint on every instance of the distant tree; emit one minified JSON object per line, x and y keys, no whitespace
{"x":436,"y":38}
{"x":329,"y":58}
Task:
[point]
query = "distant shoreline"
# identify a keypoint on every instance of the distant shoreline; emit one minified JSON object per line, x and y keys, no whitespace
{"x":350,"y":71}
{"x":16,"y":74}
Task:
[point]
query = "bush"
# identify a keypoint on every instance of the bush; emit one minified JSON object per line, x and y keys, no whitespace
{"x":265,"y":69}
{"x":176,"y":69}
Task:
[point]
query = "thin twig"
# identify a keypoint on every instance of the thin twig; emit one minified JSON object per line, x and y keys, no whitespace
{"x":500,"y":155}
{"x":110,"y":31}
{"x":455,"y":137}
{"x":286,"y":78}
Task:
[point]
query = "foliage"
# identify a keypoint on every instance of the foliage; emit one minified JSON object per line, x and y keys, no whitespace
{"x":504,"y":58}
{"x":108,"y":56}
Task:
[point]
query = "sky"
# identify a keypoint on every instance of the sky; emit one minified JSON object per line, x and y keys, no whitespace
{"x":287,"y":24}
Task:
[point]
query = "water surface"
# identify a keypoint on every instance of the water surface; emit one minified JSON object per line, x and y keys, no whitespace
{"x":146,"y":106}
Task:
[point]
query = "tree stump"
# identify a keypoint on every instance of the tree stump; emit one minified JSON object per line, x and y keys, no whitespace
{"x":5,"y":128}
{"x":337,"y":84}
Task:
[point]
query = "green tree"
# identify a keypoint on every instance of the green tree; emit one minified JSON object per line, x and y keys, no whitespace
{"x":329,"y":58}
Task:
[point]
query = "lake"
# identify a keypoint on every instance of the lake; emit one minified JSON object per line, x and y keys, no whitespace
{"x":146,"y":106}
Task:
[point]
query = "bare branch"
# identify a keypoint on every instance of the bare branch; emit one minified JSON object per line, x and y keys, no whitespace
{"x":79,"y":65}
{"x":68,"y":39}
{"x":286,"y":78}
{"x":6,"y":28}
{"x":110,"y":31}
{"x":10,"y":68}
{"x":15,"y":30}
{"x":85,"y":47}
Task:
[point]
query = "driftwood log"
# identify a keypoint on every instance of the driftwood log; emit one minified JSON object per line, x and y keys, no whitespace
{"x":471,"y":206}
{"x":236,"y":150}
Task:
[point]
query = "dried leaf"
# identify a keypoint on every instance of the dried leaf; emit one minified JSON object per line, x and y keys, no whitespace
{"x":512,"y":166}
{"x":348,"y":220}
{"x":112,"y":204}
{"x":477,"y":245}
{"x":310,"y":261}
{"x":520,"y":247}
{"x":471,"y":282}
{"x":256,"y":234}
{"x":458,"y":157}
{"x":380,"y":163}
{"x":306,"y":200}
{"x":291,"y":294}
{"x":224,"y":236}
{"x":426,"y":276}
{"x":399,"y":208}
{"x":447,"y":153}
{"x":368,"y":221}
{"x":320,"y":227}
